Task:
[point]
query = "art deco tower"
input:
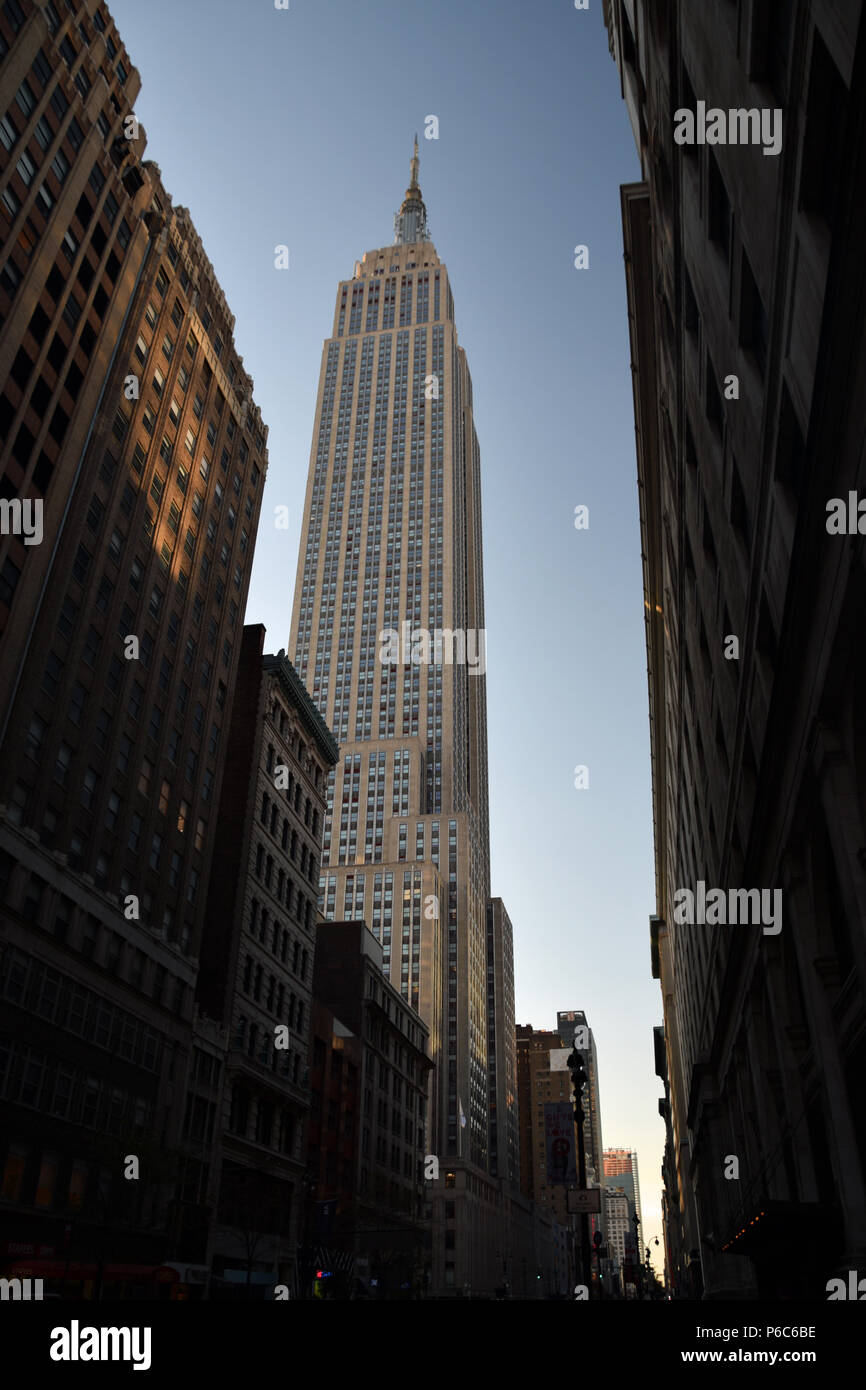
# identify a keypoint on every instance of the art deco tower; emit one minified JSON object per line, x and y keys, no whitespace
{"x":392,"y":537}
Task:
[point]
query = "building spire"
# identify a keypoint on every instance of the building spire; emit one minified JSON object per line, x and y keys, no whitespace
{"x":413,"y":182}
{"x":410,"y":223}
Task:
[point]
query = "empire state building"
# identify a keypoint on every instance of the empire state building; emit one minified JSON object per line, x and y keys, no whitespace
{"x":391,"y":544}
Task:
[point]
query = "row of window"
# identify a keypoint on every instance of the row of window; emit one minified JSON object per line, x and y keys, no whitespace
{"x":67,"y":1005}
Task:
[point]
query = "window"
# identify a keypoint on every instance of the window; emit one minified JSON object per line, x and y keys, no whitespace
{"x":76,"y":703}
{"x":15,"y":15}
{"x":124,"y":751}
{"x":52,"y":673}
{"x":135,"y":697}
{"x":821,"y":170}
{"x":754,"y":324}
{"x":9,"y":132}
{"x":713,"y":398}
{"x":25,"y":98}
{"x":59,"y":103}
{"x":88,"y":788}
{"x":719,"y":207}
{"x":68,"y":614}
{"x":35,"y":737}
{"x":155,"y":722}
{"x":26,"y":168}
{"x":42,"y":69}
{"x":60,"y":166}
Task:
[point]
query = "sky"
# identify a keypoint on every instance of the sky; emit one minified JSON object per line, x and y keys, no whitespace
{"x":294,"y":127}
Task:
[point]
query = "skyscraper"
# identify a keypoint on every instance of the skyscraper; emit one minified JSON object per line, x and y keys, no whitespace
{"x":127,"y":419}
{"x":620,"y":1170}
{"x":390,"y":580}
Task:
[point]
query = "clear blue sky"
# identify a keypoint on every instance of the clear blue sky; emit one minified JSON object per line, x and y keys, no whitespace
{"x":296,"y":127}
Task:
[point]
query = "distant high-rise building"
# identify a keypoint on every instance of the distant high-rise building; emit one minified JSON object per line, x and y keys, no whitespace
{"x":566,"y":1023}
{"x":542,"y":1079}
{"x":617,"y":1219}
{"x":387,"y":633}
{"x":501,"y":1047}
{"x":545,"y":1107}
{"x":746,"y":312}
{"x":127,"y":416}
{"x":620,"y":1170}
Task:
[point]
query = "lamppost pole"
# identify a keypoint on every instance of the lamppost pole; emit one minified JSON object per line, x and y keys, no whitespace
{"x":575,"y":1064}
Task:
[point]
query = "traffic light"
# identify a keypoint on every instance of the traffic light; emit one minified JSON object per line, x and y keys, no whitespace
{"x":577,"y":1068}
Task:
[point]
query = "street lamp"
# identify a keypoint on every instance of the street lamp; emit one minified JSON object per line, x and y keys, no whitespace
{"x":577,"y":1067}
{"x":650,"y":1273}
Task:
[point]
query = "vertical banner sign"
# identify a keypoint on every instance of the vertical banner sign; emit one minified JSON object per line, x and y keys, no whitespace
{"x":559,"y":1141}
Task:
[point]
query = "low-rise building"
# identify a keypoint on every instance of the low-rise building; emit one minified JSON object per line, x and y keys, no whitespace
{"x":368,"y":1124}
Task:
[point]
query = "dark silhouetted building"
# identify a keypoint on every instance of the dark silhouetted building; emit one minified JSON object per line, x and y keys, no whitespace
{"x":126,"y":413}
{"x":370,"y":1081}
{"x":256,"y":974}
{"x":746,"y":310}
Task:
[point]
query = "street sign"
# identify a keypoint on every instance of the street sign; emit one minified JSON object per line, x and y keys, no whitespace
{"x":583,"y":1200}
